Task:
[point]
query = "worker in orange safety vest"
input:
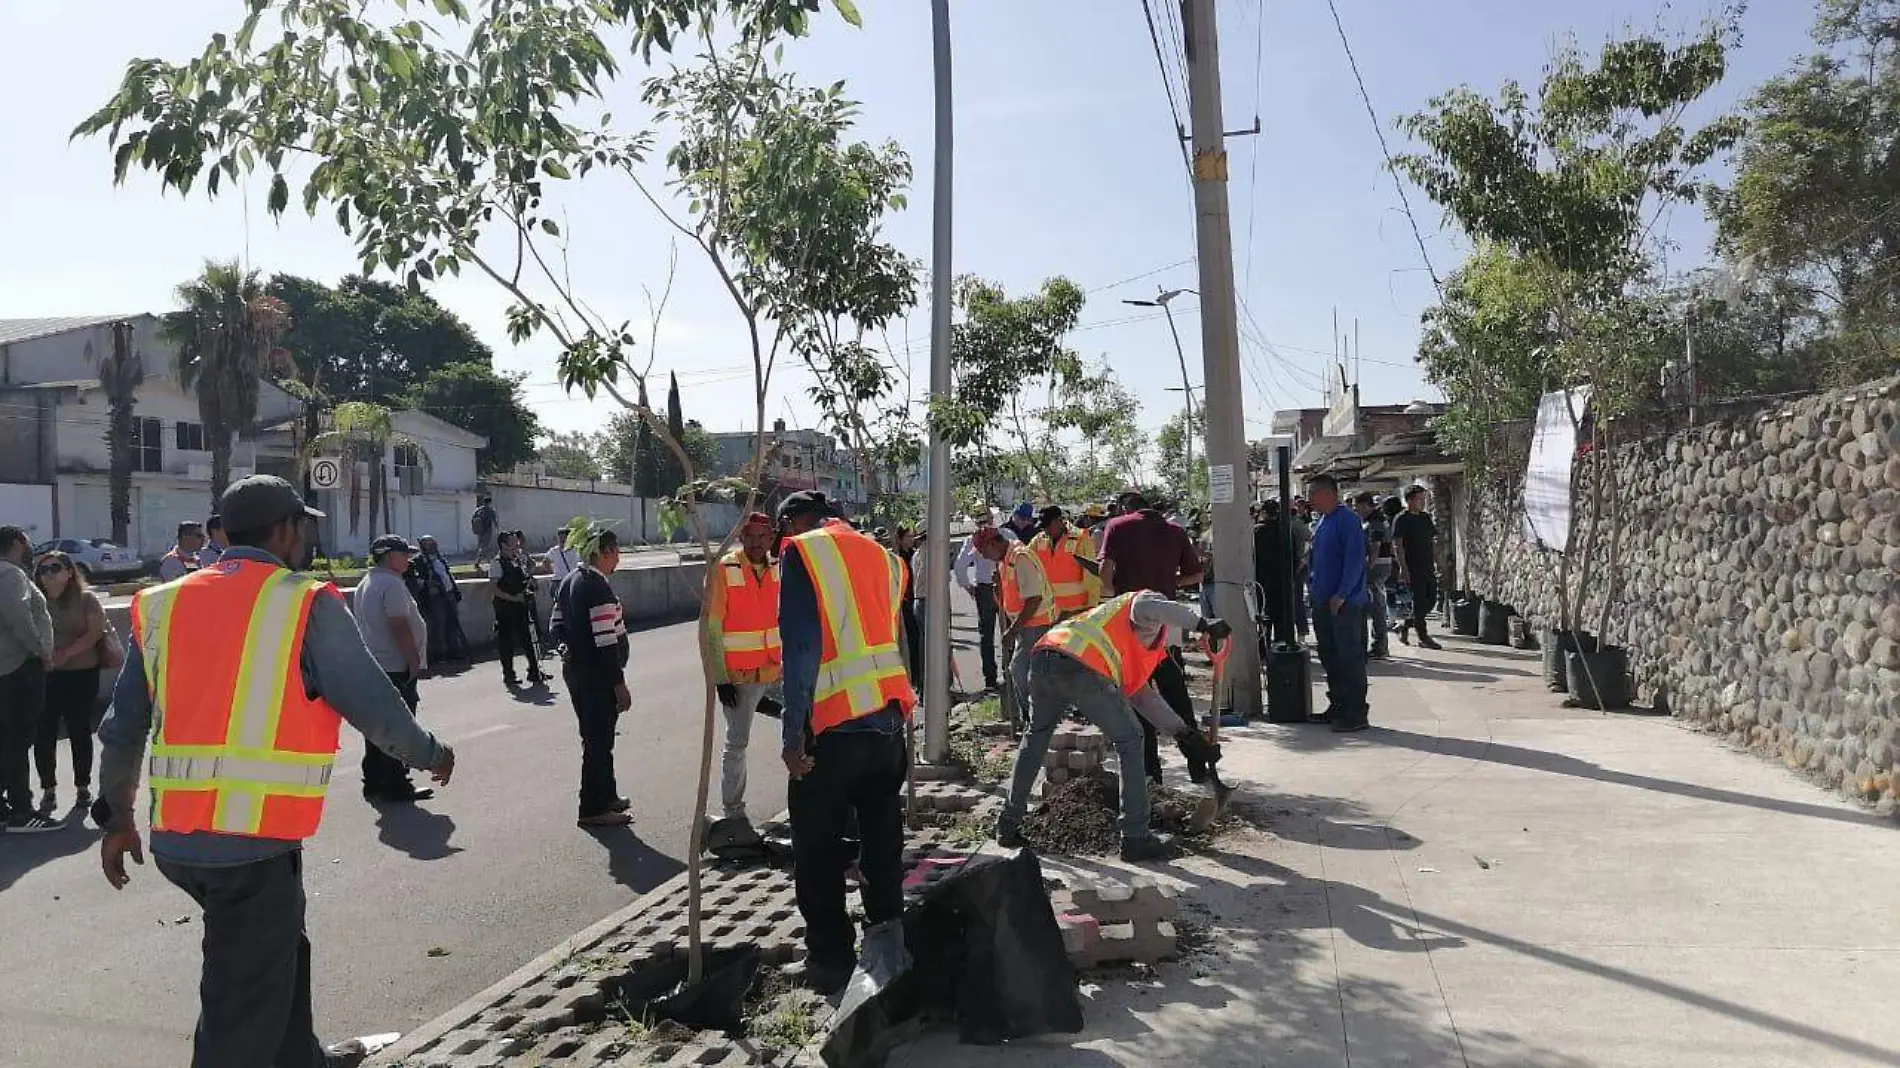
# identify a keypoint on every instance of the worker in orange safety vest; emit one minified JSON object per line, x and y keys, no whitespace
{"x":1100,"y":663}
{"x":1028,"y":607}
{"x":739,"y":635}
{"x":243,"y":737}
{"x":847,"y":699}
{"x":1068,"y":559}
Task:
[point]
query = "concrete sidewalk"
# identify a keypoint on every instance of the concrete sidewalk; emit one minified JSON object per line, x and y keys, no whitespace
{"x":1487,"y":878}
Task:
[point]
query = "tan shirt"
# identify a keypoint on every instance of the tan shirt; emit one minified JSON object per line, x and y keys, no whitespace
{"x":72,"y":617}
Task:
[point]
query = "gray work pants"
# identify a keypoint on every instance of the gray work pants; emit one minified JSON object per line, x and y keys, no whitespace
{"x":1022,"y":646}
{"x":1058,"y":683}
{"x":732,"y":761}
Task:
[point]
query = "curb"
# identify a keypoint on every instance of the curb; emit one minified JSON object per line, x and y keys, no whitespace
{"x":413,"y":1042}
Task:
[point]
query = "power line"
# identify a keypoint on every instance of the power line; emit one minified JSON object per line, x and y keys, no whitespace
{"x":1139,"y":277}
{"x":1253,"y":154}
{"x":1385,"y":149}
{"x":1167,"y":86}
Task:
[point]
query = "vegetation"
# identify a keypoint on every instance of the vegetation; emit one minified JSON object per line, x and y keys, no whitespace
{"x":365,"y":434}
{"x":227,"y":332}
{"x":121,"y":373}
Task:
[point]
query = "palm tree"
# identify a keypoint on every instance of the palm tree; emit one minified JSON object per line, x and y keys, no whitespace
{"x":361,"y":431}
{"x":120,"y":375}
{"x":227,"y":333}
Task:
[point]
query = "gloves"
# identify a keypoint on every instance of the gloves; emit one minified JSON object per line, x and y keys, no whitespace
{"x":728,"y":694}
{"x":1217,"y":629}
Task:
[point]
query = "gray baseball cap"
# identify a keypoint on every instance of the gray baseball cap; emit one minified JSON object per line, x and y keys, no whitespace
{"x":391,"y":543}
{"x":261,"y":501}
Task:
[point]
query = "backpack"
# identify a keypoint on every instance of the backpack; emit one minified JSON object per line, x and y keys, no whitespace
{"x":479,"y":522}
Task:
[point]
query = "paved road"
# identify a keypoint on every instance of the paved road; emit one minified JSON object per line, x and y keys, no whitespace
{"x":493,"y":871}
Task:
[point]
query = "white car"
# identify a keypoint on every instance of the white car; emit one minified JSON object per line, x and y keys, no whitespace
{"x":97,"y":558}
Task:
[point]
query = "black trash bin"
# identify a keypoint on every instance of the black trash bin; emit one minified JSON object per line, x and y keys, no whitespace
{"x":1289,"y":685}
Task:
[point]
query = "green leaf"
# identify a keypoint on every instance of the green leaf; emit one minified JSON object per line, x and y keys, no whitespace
{"x":849,"y":12}
{"x":279,"y":195}
{"x":548,"y":225}
{"x":555,"y":168}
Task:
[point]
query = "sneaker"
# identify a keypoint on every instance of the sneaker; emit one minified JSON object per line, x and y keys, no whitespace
{"x":605,"y":819}
{"x":621,"y":804}
{"x":34,"y":825}
{"x":1009,"y":834}
{"x":1147,"y":847}
{"x":510,"y":681}
{"x":1429,"y":643}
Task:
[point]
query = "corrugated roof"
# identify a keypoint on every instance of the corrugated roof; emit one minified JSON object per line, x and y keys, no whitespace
{"x":12,"y":330}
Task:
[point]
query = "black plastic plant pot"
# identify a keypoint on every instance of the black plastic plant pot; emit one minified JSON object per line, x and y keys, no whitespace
{"x":1522,"y":635}
{"x":1494,"y":623}
{"x":1599,"y":678}
{"x":1558,"y":645}
{"x":1464,"y":617}
{"x":657,"y":989}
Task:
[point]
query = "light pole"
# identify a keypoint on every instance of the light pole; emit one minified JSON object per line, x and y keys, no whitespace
{"x":1162,"y":297}
{"x":937,"y":546}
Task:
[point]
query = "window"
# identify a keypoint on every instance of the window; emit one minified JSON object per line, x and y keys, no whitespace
{"x":148,"y":445}
{"x":190,"y":436}
{"x":408,"y":462}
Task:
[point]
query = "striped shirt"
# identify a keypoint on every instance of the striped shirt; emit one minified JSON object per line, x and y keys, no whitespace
{"x":596,"y":649}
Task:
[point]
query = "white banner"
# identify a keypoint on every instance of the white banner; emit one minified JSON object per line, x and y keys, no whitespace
{"x":1547,"y":479}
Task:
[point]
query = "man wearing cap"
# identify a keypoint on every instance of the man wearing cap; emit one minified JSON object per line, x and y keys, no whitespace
{"x":847,"y":699}
{"x":1022,"y":523}
{"x":739,"y":637}
{"x":513,"y":589}
{"x":399,"y":640}
{"x":182,"y":560}
{"x":1068,"y":562}
{"x":1029,"y":609}
{"x":243,"y":737}
{"x":976,"y":573}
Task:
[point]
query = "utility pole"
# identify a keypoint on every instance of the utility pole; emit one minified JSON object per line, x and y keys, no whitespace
{"x":1220,"y":351}
{"x":937,"y":543}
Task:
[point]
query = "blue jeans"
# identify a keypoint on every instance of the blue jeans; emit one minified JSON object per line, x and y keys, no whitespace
{"x":1058,"y":683}
{"x":1025,"y":647}
{"x":1342,"y":650}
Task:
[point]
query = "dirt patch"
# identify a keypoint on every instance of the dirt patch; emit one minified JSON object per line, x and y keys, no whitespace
{"x":1079,"y":818}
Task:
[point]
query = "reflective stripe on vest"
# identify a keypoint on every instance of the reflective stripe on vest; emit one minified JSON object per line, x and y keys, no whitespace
{"x":1012,"y":594}
{"x":237,"y":746}
{"x":1103,"y":639}
{"x":749,"y":628}
{"x":859,"y":585}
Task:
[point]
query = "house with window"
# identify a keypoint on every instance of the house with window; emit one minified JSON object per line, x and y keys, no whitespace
{"x":55,"y":467}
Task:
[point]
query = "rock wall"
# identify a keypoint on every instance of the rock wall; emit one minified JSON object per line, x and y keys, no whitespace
{"x":1761,"y":589}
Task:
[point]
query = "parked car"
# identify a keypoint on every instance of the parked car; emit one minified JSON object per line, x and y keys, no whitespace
{"x":97,"y":558}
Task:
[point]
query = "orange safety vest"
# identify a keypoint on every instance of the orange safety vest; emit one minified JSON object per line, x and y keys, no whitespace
{"x":749,"y":627}
{"x":238,"y":746}
{"x":1073,"y":587}
{"x":1012,"y":595}
{"x":859,"y":586}
{"x":1103,"y":638}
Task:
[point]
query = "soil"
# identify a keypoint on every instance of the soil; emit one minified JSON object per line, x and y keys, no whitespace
{"x":1079,"y":817}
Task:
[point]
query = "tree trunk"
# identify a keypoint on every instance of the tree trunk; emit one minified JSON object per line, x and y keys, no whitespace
{"x":220,"y":462}
{"x":375,"y":494}
{"x":119,"y":444}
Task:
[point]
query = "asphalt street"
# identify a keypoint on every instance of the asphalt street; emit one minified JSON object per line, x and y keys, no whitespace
{"x":411,"y":909}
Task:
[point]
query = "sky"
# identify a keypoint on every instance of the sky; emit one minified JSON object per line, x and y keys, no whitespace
{"x":1064,"y":161}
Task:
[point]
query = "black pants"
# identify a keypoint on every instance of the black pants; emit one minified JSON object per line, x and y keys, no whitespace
{"x":382,"y":773}
{"x":514,"y":634}
{"x":1170,"y":680}
{"x":446,"y":640}
{"x":22,"y":696}
{"x":70,"y":696}
{"x":854,"y":774}
{"x":1424,"y":598}
{"x":914,"y":636}
{"x":1280,"y":616}
{"x":598,"y":715}
{"x":254,"y":992}
{"x":986,"y":630}
{"x":1342,"y":651}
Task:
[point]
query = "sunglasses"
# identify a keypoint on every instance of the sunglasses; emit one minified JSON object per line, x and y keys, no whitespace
{"x":49,"y":569}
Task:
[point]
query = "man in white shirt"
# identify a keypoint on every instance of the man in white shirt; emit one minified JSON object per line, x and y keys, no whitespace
{"x":561,"y":559}
{"x":981,"y":586}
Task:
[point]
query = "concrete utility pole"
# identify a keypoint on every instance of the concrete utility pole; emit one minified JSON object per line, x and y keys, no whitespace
{"x":937,"y":541}
{"x":1220,"y":352}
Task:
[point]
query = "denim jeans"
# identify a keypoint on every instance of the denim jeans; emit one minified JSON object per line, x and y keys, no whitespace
{"x":1341,"y":636}
{"x":1024,"y":646}
{"x":1058,"y":683}
{"x":1376,"y":577}
{"x":985,"y":595}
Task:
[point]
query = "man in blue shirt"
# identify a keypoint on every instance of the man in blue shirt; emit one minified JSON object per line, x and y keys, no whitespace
{"x":1338,"y":589}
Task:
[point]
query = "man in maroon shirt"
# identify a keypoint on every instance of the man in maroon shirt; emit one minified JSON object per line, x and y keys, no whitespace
{"x":1141,"y":550}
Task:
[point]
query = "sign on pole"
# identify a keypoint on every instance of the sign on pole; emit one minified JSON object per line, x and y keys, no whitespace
{"x":326,"y":473}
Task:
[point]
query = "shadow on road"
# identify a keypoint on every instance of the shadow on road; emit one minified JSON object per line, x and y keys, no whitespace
{"x":20,"y":853}
{"x":634,"y":864}
{"x":418,"y":832}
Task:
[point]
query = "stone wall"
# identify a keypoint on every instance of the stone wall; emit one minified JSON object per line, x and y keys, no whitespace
{"x":1761,"y":589}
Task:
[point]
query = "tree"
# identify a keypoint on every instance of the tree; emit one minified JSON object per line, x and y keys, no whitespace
{"x":672,"y":474}
{"x":120,"y":376}
{"x":1185,"y":482}
{"x":365,"y":433}
{"x":621,"y":441}
{"x":227,"y":333}
{"x":1106,"y":416}
{"x":420,"y":145}
{"x":1568,"y":189}
{"x":1817,"y":178}
{"x":574,"y":454}
{"x":475,"y":398}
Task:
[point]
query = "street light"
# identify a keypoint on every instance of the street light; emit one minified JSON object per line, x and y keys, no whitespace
{"x":1162,"y":297}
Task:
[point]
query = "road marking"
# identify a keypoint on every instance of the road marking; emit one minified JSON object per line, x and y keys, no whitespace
{"x":495,"y":729}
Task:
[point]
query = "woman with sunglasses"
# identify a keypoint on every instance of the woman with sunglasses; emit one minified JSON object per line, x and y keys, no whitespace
{"x":72,"y":679}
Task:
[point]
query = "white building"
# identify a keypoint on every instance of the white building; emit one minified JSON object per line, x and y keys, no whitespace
{"x":55,"y":467}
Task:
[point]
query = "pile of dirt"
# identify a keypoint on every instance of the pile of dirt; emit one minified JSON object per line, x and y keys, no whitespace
{"x":1080,"y":817}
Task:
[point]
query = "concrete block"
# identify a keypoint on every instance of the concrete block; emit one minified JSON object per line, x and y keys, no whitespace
{"x":1064,"y":738}
{"x":1081,"y":938}
{"x":1113,"y":901}
{"x":1143,"y":943}
{"x":1055,"y":776}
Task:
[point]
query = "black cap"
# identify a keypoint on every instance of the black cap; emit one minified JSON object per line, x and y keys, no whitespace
{"x":1049,"y":514}
{"x":260,"y":502}
{"x":804,"y":502}
{"x":392,"y":543}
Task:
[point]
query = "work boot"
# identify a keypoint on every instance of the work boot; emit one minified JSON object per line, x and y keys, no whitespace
{"x":1147,"y":847}
{"x":1009,"y":833}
